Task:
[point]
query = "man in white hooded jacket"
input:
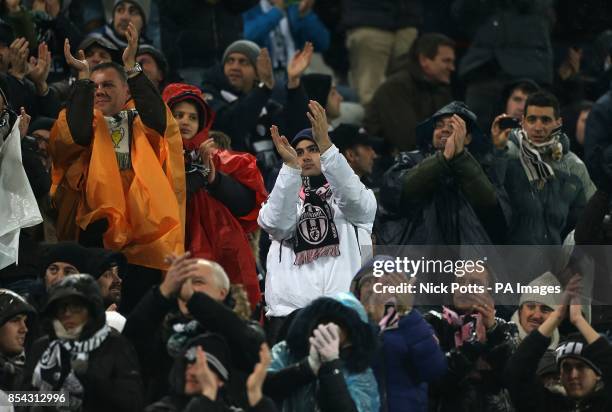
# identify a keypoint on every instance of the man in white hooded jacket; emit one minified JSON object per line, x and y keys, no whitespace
{"x":319,"y":216}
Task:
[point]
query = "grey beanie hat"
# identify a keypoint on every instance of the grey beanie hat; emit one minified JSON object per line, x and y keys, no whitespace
{"x":250,"y":49}
{"x":547,"y":279}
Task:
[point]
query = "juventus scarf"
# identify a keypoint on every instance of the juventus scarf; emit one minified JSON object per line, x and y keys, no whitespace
{"x":54,"y":371}
{"x":120,"y":128}
{"x":536,"y":169}
{"x":316,"y":233}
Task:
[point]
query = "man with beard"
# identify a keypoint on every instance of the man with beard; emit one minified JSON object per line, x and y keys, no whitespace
{"x":108,"y":268}
{"x":124,"y":13}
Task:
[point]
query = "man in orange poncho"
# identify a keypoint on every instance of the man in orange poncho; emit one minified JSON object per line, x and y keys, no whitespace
{"x":225,"y":191}
{"x":118,"y":174}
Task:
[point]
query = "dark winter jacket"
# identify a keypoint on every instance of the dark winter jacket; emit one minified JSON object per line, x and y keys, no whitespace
{"x":387,"y":15}
{"x":466,"y":387}
{"x":514,"y":40}
{"x":429,"y":200}
{"x":401,"y":102}
{"x":528,"y":394}
{"x":196,"y":33}
{"x":598,"y":142}
{"x":240,"y":115}
{"x":409,"y":357}
{"x":149,"y":327}
{"x":545,"y":216}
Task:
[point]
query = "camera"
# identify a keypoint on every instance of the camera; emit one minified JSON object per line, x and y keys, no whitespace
{"x":509,"y":123}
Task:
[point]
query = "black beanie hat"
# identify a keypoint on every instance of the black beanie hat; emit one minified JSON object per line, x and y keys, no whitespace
{"x":317,"y":87}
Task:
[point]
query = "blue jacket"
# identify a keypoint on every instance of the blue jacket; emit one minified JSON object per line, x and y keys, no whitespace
{"x":409,"y":358}
{"x":258,"y":25}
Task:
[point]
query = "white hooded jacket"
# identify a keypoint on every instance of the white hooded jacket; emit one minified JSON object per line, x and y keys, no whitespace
{"x":289,"y":286}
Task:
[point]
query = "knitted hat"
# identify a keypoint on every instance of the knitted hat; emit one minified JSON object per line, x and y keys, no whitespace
{"x":246,"y":47}
{"x":576,"y":347}
{"x":100,"y":260}
{"x":216,"y":350}
{"x":157,"y":55}
{"x":69,"y":252}
{"x":143,"y":5}
{"x":304,"y":134}
{"x":41,"y":123}
{"x":547,"y":279}
{"x":317,"y":87}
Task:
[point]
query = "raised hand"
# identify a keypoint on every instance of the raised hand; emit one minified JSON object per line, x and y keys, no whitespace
{"x":205,"y":376}
{"x":460,"y":133}
{"x":24,"y":122}
{"x":265,"y":73}
{"x":284,"y":149}
{"x":207,"y":149}
{"x":129,"y":54}
{"x":181,"y":269}
{"x":318,"y":121}
{"x":18,"y":58}
{"x":326,"y":339}
{"x":256,"y":379}
{"x":39,"y":68}
{"x":298,"y":64}
{"x":79,"y":64}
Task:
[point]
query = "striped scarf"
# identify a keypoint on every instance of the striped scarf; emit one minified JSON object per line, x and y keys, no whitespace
{"x":55,"y":369}
{"x":536,"y":169}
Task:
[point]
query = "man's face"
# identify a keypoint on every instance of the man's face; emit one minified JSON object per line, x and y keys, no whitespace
{"x":12,"y":335}
{"x":186,"y":116}
{"x":204,"y":281}
{"x":150,"y":68}
{"x":96,"y":55}
{"x":333,"y":103}
{"x":111,"y":92}
{"x":72,"y":312}
{"x":42,"y":140}
{"x":578,"y":379}
{"x":125,"y":13}
{"x":110,"y":286}
{"x":539,"y":122}
{"x":361,"y":159}
{"x":239,"y":72}
{"x":515,"y":105}
{"x":443,"y":128}
{"x":4,"y":58}
{"x":309,"y":157}
{"x":440,"y":68}
{"x":57,"y":271}
{"x":532,"y":315}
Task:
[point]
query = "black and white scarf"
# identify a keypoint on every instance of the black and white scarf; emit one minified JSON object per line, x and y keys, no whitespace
{"x":55,"y":369}
{"x":530,"y":153}
{"x":316,"y":233}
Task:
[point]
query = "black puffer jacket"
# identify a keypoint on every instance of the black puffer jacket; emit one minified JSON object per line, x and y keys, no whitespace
{"x":382,"y":14}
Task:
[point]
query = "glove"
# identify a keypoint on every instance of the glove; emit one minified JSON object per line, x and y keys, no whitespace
{"x":314,"y":361}
{"x":326,"y":339}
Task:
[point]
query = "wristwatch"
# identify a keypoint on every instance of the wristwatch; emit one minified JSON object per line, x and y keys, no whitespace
{"x":134,"y":70}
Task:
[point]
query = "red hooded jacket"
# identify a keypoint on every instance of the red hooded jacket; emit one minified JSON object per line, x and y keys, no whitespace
{"x":212,"y":232}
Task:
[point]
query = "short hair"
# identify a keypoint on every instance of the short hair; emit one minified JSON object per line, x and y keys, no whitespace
{"x":428,"y":44}
{"x":112,"y":65}
{"x":543,"y":99}
{"x":221,"y":277}
{"x":222,"y":140}
{"x":526,"y":87}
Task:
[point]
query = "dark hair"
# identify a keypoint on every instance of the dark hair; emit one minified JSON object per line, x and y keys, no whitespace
{"x":112,"y":65}
{"x":428,"y":44}
{"x":543,"y":99}
{"x":526,"y":87}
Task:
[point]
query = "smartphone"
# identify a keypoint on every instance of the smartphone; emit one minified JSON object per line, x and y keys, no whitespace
{"x":509,"y":123}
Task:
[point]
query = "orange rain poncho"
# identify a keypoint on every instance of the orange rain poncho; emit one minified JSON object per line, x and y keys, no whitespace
{"x":144,"y":205}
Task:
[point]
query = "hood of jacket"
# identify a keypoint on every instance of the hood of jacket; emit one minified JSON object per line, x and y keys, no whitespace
{"x":348,"y":313}
{"x":180,"y":92}
{"x":425,"y":129}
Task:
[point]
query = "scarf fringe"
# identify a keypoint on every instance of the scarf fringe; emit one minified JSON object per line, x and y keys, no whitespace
{"x":308,"y":256}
